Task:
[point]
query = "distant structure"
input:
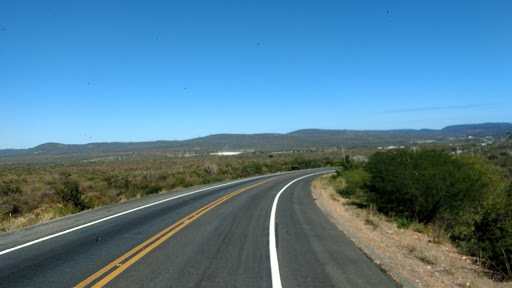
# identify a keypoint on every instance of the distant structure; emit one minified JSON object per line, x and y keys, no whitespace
{"x":226,"y":153}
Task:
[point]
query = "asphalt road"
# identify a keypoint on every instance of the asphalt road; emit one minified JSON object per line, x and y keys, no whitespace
{"x":218,"y":236}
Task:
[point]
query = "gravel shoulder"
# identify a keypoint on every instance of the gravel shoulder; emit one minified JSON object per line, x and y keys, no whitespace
{"x":408,"y":256}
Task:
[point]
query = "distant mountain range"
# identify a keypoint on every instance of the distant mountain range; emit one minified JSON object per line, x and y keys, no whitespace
{"x":307,"y":139}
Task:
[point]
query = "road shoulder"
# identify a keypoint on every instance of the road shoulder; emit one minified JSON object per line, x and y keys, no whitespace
{"x":409,"y":257}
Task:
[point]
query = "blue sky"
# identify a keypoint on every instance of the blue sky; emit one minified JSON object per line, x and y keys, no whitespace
{"x":101,"y":71}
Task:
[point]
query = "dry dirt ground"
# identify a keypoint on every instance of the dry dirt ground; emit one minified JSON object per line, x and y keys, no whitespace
{"x":408,"y":256}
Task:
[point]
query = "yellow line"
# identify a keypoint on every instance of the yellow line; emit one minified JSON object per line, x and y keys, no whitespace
{"x":134,"y":250}
{"x":171,"y":230}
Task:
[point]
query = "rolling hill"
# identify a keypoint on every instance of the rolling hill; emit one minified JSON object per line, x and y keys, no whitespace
{"x":307,"y":139}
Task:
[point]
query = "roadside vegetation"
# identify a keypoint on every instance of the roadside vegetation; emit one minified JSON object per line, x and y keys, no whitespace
{"x":34,"y":193}
{"x":462,"y":199}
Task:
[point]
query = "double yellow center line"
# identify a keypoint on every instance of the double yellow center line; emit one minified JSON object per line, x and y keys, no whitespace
{"x":122,"y":263}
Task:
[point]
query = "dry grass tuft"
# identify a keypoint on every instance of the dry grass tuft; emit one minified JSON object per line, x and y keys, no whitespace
{"x":424,"y":254}
{"x":437,"y":232}
{"x":372,"y":217}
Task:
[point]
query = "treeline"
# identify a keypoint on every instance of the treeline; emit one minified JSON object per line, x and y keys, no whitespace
{"x":30,"y":194}
{"x":467,"y":198}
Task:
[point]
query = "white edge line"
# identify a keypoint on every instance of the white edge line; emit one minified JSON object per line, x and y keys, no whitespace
{"x":274,"y":263}
{"x":122,"y":213}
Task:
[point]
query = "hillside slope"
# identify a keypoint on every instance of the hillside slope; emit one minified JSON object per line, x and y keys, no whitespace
{"x":306,"y":139}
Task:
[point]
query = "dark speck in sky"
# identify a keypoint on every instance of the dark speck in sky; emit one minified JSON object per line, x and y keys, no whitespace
{"x":210,"y":49}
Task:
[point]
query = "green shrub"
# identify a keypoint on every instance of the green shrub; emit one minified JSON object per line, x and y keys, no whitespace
{"x":419,"y":227}
{"x":356,"y":181}
{"x":69,"y":192}
{"x":347,"y":163}
{"x":492,"y":234}
{"x":9,"y":189}
{"x":462,"y":198}
{"x":251,"y":168}
{"x":422,"y":186}
{"x":403,"y":223}
{"x":153,"y":190}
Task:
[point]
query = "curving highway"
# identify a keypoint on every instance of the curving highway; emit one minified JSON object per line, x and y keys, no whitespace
{"x":256,"y":232}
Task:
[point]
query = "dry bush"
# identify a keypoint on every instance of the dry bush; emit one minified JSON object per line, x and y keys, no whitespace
{"x":211,"y":169}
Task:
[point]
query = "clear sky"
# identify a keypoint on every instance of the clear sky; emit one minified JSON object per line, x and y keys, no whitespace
{"x":101,"y":71}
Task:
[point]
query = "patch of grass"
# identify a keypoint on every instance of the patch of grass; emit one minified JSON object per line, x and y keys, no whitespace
{"x":372,"y":216}
{"x":422,"y":254}
{"x":418,"y":227}
{"x":44,"y":213}
{"x":334,"y":197}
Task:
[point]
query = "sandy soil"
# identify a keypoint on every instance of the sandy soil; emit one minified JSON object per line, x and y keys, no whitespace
{"x":409,"y":257}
